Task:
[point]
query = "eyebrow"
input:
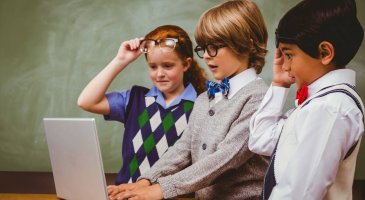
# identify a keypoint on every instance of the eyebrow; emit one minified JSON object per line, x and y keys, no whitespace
{"x":285,"y":49}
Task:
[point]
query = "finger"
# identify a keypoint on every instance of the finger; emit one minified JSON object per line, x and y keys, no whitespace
{"x":126,"y":45}
{"x":279,"y":58}
{"x":278,"y":53}
{"x":129,"y":45}
{"x":132,"y":44}
{"x":135,"y":43}
{"x":114,"y":192}
{"x":124,"y":187}
{"x":125,"y":195}
{"x":113,"y":197}
{"x":110,"y":188}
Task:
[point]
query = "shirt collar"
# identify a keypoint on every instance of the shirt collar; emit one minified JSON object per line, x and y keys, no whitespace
{"x":333,"y":78}
{"x":188,"y":94}
{"x":240,"y":80}
{"x":237,"y":82}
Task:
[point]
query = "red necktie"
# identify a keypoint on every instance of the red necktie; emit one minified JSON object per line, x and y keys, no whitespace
{"x":302,"y":94}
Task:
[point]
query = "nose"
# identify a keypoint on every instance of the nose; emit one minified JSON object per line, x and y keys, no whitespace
{"x":286,"y":66}
{"x":160,"y":72}
{"x":206,"y":55}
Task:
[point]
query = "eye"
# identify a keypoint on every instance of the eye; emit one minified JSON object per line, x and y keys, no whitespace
{"x":211,"y":47}
{"x":288,"y":56}
{"x":153,"y":67}
{"x":169,"y":65}
{"x":199,"y":48}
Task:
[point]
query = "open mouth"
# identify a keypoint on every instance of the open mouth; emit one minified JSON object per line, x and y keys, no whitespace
{"x":212,"y":67}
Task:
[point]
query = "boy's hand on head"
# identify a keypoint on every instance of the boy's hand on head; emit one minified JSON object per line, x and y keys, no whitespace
{"x":281,"y":77}
{"x":129,"y":50}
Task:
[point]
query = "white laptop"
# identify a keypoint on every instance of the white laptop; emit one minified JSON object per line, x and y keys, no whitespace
{"x":75,"y":158}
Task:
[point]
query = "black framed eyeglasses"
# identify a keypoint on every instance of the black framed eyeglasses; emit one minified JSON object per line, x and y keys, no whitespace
{"x":212,"y":50}
{"x":279,"y":38}
{"x":165,"y":44}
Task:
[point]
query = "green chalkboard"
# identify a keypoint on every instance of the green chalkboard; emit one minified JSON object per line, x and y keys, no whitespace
{"x":50,"y":49}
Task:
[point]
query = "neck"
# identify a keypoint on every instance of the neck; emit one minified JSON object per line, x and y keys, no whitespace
{"x":243,"y":65}
{"x":170,"y":96}
{"x":321,"y":71}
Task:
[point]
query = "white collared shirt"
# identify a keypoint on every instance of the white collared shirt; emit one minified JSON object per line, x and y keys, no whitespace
{"x":326,"y":129}
{"x":237,"y":82}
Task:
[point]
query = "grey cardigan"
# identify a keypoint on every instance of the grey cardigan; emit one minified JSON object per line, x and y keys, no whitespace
{"x":212,"y":158}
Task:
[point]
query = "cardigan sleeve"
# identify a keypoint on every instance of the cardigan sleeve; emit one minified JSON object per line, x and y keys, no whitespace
{"x":231,"y":153}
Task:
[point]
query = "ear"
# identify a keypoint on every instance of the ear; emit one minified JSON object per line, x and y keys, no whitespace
{"x":326,"y":52}
{"x":187,"y":63}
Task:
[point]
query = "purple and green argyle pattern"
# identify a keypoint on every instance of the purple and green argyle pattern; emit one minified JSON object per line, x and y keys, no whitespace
{"x":149,"y":132}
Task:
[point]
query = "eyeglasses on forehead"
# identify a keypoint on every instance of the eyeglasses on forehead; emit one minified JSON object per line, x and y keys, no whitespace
{"x":165,"y":44}
{"x":212,"y":49}
{"x":280,"y":38}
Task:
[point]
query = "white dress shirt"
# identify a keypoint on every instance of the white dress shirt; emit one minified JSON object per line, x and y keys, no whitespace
{"x":237,"y":82}
{"x":326,"y":129}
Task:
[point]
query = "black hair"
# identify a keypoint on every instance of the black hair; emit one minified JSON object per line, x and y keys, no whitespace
{"x":311,"y":22}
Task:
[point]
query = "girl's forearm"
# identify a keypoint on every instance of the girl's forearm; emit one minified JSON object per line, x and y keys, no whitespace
{"x":92,"y":98}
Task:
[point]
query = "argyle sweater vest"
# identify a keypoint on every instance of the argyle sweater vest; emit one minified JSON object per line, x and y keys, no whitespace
{"x":149,"y":131}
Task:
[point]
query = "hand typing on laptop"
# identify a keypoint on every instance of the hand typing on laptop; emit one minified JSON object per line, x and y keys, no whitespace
{"x":140,"y":190}
{"x":115,"y":190}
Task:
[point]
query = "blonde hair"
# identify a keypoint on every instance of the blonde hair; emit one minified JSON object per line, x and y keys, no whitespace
{"x":184,"y":49}
{"x":238,"y":24}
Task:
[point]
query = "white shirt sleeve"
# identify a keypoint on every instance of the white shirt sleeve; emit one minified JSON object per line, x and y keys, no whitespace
{"x":325,"y":132}
{"x":267,"y":122}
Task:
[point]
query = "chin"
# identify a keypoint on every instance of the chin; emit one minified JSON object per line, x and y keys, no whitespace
{"x":217,"y":77}
{"x":164,"y":89}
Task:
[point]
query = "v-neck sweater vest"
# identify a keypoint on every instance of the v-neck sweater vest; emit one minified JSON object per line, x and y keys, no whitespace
{"x":149,"y":131}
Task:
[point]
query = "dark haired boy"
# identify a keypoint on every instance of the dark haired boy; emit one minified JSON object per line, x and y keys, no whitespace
{"x":313,"y":147}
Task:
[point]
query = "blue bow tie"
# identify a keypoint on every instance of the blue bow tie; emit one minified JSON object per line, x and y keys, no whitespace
{"x":213,"y":88}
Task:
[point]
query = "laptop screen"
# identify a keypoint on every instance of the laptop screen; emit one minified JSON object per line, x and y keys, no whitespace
{"x":75,"y":158}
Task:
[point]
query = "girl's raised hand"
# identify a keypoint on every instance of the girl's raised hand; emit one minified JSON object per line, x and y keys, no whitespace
{"x":280,"y":77}
{"x":129,"y":50}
